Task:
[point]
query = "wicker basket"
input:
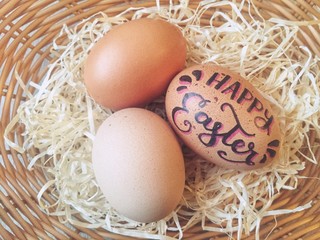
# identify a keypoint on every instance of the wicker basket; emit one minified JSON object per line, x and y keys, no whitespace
{"x":27,"y":29}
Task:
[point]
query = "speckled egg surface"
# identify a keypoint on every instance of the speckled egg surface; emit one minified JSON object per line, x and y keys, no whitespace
{"x":139,"y":164}
{"x":222,"y":117}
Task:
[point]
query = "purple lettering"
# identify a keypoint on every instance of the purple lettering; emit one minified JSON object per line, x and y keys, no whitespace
{"x":246,"y":95}
{"x":233,"y":88}
{"x":220,"y":83}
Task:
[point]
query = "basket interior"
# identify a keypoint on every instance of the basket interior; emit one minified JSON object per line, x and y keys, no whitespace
{"x":27,"y":30}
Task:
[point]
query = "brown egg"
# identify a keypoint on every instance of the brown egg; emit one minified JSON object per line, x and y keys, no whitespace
{"x":139,"y":164}
{"x":223,"y":118}
{"x":134,"y":63}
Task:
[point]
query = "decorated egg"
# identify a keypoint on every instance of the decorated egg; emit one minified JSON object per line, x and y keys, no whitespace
{"x":223,"y":118}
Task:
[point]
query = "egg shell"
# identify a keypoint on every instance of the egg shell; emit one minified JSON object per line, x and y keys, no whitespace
{"x":223,"y":117}
{"x":134,"y":63}
{"x":138,"y":164}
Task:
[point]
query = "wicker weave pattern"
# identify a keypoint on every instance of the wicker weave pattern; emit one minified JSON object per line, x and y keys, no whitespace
{"x":27,"y":29}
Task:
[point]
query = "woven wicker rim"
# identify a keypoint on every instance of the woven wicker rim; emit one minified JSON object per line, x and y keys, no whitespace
{"x":27,"y":29}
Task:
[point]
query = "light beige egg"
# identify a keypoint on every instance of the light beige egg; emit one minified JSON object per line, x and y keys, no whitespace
{"x":223,"y":118}
{"x":139,"y":164}
{"x":134,"y":63}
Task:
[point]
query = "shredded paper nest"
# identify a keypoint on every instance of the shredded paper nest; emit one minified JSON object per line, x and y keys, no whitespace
{"x":60,"y":120}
